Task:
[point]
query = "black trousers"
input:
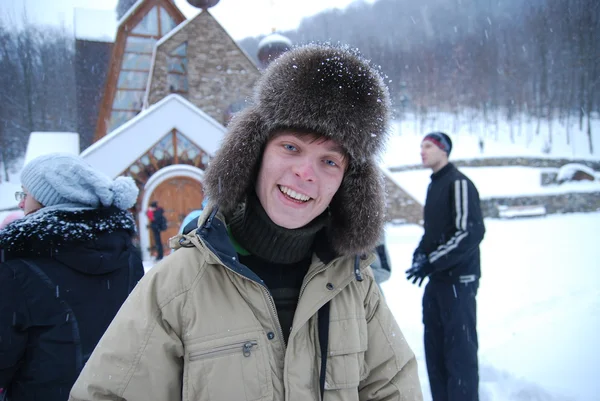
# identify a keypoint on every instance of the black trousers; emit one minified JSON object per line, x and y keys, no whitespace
{"x":157,"y":243}
{"x":450,"y":320}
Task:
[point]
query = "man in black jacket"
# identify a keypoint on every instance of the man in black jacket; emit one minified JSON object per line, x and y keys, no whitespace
{"x":449,"y":255}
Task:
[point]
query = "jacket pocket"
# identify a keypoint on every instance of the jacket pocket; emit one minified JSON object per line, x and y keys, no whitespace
{"x":228,"y":369}
{"x":346,"y":357}
{"x":245,"y":347}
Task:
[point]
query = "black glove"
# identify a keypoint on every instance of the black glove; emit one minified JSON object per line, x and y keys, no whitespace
{"x":420,"y":269}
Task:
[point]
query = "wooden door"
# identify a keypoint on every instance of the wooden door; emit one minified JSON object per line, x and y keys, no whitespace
{"x":178,"y":196}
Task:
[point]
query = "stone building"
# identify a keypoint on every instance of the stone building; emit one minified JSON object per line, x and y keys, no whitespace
{"x":170,"y":87}
{"x":202,"y":63}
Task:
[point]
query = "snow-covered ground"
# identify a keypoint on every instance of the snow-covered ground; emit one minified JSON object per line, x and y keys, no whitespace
{"x":539,"y":299}
{"x":538,"y":306}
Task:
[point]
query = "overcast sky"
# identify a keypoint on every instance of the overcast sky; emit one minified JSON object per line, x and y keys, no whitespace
{"x":241,"y":18}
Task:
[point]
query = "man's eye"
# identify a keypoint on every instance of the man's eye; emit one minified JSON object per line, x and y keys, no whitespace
{"x":291,"y":148}
{"x":331,"y":163}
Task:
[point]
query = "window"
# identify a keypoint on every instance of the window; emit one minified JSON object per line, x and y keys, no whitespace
{"x":135,"y":68}
{"x":177,"y":62}
{"x":173,"y":148}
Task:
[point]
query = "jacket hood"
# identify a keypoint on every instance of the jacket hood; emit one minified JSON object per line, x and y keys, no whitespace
{"x":92,"y":241}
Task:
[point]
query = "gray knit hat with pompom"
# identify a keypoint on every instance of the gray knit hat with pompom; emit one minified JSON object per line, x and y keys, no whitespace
{"x":63,"y":178}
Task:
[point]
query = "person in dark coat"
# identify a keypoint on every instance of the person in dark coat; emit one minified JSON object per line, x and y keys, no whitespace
{"x":448,"y":255}
{"x":158,"y":223}
{"x":66,"y":268}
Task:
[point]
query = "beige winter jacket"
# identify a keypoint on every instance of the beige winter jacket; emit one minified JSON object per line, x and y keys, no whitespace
{"x":198,"y":328}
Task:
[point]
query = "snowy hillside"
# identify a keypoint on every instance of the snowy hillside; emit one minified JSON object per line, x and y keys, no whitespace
{"x":403,"y":148}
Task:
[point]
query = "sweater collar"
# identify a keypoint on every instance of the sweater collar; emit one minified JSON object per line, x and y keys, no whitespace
{"x":253,"y":231}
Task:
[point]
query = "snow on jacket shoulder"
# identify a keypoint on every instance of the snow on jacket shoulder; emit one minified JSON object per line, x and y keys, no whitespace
{"x":199,"y":328}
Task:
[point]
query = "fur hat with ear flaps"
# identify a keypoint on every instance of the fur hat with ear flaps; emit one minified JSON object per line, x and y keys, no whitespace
{"x":331,"y":91}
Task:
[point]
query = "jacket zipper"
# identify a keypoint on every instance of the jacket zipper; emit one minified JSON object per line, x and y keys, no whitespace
{"x":309,"y":279}
{"x":269,"y":297}
{"x":245,"y":347}
{"x":265,"y":292}
{"x":274,"y":310}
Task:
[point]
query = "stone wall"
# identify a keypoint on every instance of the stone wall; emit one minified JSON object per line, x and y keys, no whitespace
{"x":219,"y":72}
{"x":579,"y":202}
{"x":403,"y":207}
{"x":400,"y":206}
{"x":506,"y":161}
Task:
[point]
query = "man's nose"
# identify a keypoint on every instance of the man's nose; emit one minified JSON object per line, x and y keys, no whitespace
{"x":305,"y":170}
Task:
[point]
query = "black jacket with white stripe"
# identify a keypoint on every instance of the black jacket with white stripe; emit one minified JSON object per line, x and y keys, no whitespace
{"x":453,"y":227}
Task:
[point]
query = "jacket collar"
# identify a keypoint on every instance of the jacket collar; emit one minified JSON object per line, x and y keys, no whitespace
{"x":46,"y":230}
{"x":445,"y":170}
{"x":213,"y":232}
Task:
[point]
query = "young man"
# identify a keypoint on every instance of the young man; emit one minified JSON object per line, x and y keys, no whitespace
{"x":271,"y":297}
{"x":449,"y":255}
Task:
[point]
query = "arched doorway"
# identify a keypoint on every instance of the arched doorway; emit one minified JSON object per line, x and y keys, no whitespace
{"x":178,"y":196}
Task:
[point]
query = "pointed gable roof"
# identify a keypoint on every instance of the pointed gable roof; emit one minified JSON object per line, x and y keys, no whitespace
{"x":138,"y":30}
{"x":126,"y":144}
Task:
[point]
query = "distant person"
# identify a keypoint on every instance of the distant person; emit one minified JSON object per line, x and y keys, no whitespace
{"x":481,"y":145}
{"x":448,"y":255}
{"x":158,"y":223}
{"x":271,"y":297}
{"x":66,"y":268}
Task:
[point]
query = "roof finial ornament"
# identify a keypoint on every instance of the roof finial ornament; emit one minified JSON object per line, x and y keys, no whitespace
{"x":274,"y":44}
{"x":203,"y":4}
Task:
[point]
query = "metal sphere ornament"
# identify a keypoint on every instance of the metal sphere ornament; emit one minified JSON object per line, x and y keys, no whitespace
{"x":271,"y":47}
{"x":203,"y":4}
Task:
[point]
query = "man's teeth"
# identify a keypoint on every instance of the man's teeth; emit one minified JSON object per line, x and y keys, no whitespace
{"x":293,"y":194}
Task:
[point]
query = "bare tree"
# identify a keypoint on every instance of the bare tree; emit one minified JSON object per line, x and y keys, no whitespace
{"x":37,"y":89}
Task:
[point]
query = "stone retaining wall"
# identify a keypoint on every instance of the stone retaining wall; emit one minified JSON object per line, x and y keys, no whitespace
{"x":400,"y":206}
{"x":506,"y":161}
{"x":580,"y":202}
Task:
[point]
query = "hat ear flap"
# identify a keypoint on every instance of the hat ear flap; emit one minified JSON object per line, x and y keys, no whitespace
{"x":357,"y":210}
{"x":235,"y":165}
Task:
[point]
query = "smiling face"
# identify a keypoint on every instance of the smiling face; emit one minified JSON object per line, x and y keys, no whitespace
{"x":432,"y":156}
{"x":298,"y":177}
